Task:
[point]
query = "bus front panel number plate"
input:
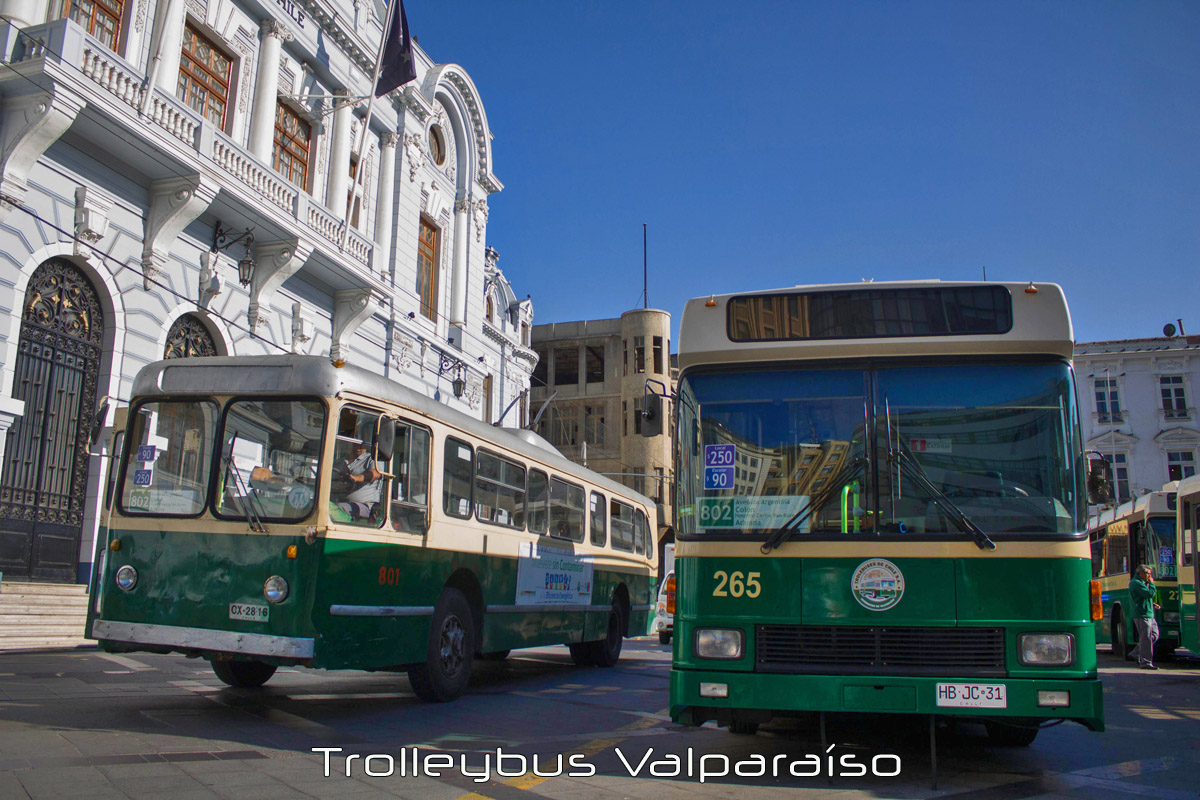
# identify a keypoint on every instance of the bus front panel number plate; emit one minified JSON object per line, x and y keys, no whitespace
{"x":972,"y":695}
{"x":719,"y":466}
{"x":250,"y":613}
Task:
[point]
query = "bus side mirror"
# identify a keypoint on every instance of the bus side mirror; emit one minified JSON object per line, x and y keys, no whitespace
{"x":1099,"y":481}
{"x":652,"y":415}
{"x":385,"y":439}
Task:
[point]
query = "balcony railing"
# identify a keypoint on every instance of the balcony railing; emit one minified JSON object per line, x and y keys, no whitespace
{"x":1110,"y":418}
{"x":66,"y":45}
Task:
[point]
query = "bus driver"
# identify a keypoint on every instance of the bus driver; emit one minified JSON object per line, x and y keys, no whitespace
{"x":366,"y":484}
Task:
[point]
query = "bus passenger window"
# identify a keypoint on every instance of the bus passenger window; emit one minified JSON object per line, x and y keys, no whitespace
{"x":641,"y":532}
{"x":538,"y":500}
{"x":410,"y":488}
{"x":622,"y":525}
{"x":457,"y":474}
{"x":566,"y":510}
{"x":500,"y":491}
{"x":357,"y":481}
{"x":599,"y":520}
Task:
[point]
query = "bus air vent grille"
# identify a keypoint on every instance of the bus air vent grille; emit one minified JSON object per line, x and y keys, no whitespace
{"x":836,"y":649}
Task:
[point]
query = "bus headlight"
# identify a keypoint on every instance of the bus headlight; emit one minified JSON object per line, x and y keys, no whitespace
{"x":126,"y":578}
{"x":275,"y":589}
{"x":1171,"y":617}
{"x":722,"y":643}
{"x":1046,"y":649}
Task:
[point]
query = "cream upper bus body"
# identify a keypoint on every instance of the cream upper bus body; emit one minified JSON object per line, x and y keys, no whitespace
{"x":290,"y":375}
{"x":1041,"y":324}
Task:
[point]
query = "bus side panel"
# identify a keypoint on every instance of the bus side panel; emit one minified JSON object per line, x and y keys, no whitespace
{"x":190,"y":579}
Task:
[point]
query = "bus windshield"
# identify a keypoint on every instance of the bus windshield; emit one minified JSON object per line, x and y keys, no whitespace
{"x":903,"y":450}
{"x":1160,"y":541}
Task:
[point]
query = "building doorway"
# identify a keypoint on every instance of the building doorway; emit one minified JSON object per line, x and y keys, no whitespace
{"x":43,"y":485}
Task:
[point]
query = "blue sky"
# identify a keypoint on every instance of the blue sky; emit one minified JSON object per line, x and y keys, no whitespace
{"x":768,"y":144}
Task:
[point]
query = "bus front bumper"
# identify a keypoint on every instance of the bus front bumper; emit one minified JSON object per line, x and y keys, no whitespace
{"x":760,"y":695}
{"x":142,"y":636}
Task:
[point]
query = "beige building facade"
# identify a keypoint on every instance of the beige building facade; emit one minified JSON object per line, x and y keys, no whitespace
{"x":588,"y":385}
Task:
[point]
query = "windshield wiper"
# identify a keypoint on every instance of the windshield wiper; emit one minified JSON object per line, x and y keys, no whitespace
{"x":248,"y":510}
{"x":953,"y":512}
{"x":814,"y":504}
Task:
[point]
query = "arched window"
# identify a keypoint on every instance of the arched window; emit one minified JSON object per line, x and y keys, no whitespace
{"x":189,"y":337}
{"x":491,"y":310}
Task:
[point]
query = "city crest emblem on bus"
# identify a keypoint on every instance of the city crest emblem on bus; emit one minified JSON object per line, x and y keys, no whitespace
{"x":877,"y":584}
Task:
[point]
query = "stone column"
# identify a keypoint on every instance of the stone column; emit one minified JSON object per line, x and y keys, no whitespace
{"x":22,"y":13}
{"x":458,"y":285}
{"x":337,"y":181}
{"x":384,"y":204}
{"x":170,"y":47}
{"x":266,"y":89}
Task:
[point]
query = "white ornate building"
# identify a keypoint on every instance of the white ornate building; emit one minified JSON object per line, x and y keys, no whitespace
{"x":153,"y":151}
{"x":1138,"y":404}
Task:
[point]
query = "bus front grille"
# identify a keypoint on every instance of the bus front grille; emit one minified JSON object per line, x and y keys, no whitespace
{"x":836,"y":649}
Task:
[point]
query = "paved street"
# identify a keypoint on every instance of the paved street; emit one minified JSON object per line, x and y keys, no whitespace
{"x":87,"y":724}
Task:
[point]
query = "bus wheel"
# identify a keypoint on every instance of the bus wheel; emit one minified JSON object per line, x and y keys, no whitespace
{"x":1120,"y":638}
{"x":447,"y":667}
{"x":243,"y":674}
{"x":607,"y":651}
{"x":581,"y":654}
{"x":664,"y":637}
{"x":743,"y":727}
{"x":1010,"y":735}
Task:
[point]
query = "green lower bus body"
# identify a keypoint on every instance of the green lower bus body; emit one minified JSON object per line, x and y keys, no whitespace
{"x":350,"y":605}
{"x":940,"y":599}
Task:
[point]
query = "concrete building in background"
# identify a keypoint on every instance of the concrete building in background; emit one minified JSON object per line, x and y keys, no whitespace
{"x":1138,"y":406}
{"x":176,"y":180}
{"x":594,"y":373}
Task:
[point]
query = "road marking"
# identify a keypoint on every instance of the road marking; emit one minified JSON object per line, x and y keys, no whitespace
{"x":127,"y":663}
{"x":1150,"y":712}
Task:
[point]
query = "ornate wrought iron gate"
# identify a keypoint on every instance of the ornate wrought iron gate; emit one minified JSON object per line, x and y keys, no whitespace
{"x":44,"y":481}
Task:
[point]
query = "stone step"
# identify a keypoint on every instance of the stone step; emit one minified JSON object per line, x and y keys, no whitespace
{"x":43,"y":642}
{"x":41,"y":609}
{"x":10,"y":587}
{"x":65,"y":627}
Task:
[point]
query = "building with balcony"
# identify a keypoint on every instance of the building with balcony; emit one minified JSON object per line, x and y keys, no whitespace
{"x":202,"y":177}
{"x":1138,"y":406}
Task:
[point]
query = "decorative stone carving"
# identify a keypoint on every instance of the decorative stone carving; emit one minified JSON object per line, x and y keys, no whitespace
{"x":351,"y":308}
{"x":301,"y":328}
{"x":174,"y":204}
{"x":403,"y":351}
{"x":211,"y":282}
{"x":273,"y":27}
{"x":474,"y":392}
{"x":31,"y":124}
{"x":91,"y":218}
{"x":139,"y":16}
{"x":274,"y":263}
{"x":415,"y":154}
{"x":481,"y":217}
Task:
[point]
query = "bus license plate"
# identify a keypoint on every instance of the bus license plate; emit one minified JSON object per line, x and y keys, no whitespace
{"x":972,"y":695}
{"x":249,"y":612}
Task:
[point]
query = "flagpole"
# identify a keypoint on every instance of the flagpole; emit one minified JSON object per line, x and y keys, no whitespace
{"x":362,"y":141}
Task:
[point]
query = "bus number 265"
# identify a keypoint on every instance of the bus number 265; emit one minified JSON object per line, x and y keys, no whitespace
{"x":734,"y":585}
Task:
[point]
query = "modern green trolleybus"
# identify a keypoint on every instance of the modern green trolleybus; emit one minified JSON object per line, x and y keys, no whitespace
{"x":1139,"y":532}
{"x":279,"y":510}
{"x":881,"y":508}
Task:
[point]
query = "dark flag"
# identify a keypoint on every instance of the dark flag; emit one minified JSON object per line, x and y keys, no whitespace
{"x":396,"y":59}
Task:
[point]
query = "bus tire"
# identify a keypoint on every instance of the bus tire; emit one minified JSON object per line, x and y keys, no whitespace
{"x":1008,"y":734}
{"x":1120,"y":637}
{"x":664,"y":637}
{"x":581,"y":654}
{"x":607,"y":651}
{"x":448,"y":656}
{"x":243,"y":674}
{"x":743,"y":727}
